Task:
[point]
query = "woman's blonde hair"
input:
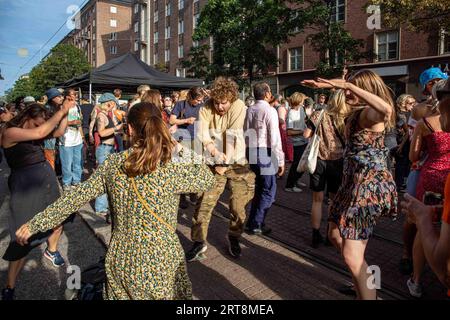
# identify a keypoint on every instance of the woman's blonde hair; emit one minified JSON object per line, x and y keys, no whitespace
{"x":105,"y":105}
{"x":296,"y":99}
{"x":338,"y":109}
{"x":402,"y":100}
{"x":183,"y":95}
{"x":372,"y":82}
{"x":152,"y":142}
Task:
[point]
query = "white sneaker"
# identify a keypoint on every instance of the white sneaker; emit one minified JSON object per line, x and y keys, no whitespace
{"x":414,"y":289}
{"x":294,"y":189}
{"x":301,"y":184}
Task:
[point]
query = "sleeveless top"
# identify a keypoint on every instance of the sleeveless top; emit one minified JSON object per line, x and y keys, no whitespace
{"x":109,"y":126}
{"x":24,"y":154}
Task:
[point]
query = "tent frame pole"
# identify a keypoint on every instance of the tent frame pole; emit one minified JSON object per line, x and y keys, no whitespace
{"x":90,"y":92}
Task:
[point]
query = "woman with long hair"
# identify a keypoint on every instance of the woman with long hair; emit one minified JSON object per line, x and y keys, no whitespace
{"x":154,"y":96}
{"x":32,"y":183}
{"x":368,"y":189}
{"x":145,"y":259}
{"x":328,"y":174}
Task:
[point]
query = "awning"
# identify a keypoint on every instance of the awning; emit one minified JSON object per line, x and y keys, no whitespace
{"x":391,"y":71}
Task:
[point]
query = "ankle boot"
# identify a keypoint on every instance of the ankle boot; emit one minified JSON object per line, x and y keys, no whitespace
{"x":316,"y":238}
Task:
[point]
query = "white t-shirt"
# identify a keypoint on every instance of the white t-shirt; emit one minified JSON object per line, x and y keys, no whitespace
{"x":296,"y":121}
{"x":72,"y":137}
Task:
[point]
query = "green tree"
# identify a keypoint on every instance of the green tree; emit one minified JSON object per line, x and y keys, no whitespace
{"x":22,"y":87}
{"x":335,"y":44}
{"x":161,"y":66}
{"x":417,"y":15}
{"x":63,"y":63}
{"x":245,"y":33}
{"x":197,"y":63}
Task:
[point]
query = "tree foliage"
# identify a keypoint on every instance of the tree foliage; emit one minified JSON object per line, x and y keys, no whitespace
{"x":245,"y":33}
{"x":417,"y":15}
{"x":63,"y":63}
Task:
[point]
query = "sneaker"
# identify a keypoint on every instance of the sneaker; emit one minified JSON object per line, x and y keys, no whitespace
{"x":406,"y":266}
{"x":67,"y":188}
{"x":54,"y":257}
{"x":102,"y":214}
{"x":414,"y":289}
{"x":234,"y":247}
{"x":316,"y":239}
{"x":294,"y":189}
{"x":196,"y":252}
{"x":259,"y":231}
{"x":8,"y":294}
{"x":301,"y":184}
{"x":183,"y":202}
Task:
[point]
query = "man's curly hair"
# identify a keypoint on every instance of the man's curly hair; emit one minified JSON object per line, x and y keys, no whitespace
{"x":224,"y":88}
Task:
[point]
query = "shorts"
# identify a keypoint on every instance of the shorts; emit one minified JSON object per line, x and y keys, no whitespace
{"x":328,"y":175}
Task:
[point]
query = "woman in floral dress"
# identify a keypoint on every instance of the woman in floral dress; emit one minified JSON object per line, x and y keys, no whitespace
{"x":145,"y":259}
{"x":368,"y":190}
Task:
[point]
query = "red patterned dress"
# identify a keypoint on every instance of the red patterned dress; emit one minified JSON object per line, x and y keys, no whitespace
{"x":436,"y":168}
{"x":368,"y":190}
{"x":286,"y":143}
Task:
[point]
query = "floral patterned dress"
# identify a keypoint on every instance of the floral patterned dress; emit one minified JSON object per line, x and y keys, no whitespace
{"x":368,"y":190}
{"x":145,"y":259}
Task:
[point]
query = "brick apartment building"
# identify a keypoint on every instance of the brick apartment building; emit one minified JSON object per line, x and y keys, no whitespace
{"x":103,"y":30}
{"x":400,"y":55}
{"x":163,"y":31}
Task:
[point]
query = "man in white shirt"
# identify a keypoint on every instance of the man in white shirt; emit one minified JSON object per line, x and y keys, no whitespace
{"x":71,"y":148}
{"x":265,"y":155}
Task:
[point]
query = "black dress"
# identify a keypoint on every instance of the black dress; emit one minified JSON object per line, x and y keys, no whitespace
{"x":33,"y":186}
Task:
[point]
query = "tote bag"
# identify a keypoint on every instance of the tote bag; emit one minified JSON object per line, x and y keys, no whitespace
{"x":308,"y":162}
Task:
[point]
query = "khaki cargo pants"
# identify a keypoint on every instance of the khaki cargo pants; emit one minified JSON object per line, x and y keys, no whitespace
{"x":242,"y":186}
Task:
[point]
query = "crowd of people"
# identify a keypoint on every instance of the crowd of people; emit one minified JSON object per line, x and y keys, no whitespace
{"x":159,"y":152}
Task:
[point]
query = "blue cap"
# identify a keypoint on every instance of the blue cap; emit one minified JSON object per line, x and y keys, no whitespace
{"x":106,"y":97}
{"x":52,"y":93}
{"x":431,"y":74}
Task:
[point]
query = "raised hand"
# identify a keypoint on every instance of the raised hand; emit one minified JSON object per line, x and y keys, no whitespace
{"x":68,"y":103}
{"x":22,"y":235}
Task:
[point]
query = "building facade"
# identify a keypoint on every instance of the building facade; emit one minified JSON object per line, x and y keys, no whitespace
{"x":163,"y":30}
{"x":103,"y":30}
{"x":399,"y":57}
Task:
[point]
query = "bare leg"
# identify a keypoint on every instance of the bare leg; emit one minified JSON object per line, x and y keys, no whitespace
{"x":54,"y":239}
{"x":409,"y":234}
{"x":13,"y":272}
{"x":419,"y":259}
{"x":335,"y":236}
{"x":316,"y":211}
{"x":353,"y":252}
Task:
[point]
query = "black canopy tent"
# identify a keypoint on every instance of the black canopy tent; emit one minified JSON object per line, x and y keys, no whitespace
{"x":127,"y":72}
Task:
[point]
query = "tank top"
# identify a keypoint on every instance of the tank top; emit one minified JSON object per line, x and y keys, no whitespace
{"x":109,"y":126}
{"x":24,"y":154}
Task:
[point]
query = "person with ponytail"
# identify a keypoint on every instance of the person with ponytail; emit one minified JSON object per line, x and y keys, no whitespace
{"x":32,"y":183}
{"x":145,"y":259}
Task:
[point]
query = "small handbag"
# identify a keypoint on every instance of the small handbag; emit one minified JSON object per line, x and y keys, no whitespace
{"x":308,"y":161}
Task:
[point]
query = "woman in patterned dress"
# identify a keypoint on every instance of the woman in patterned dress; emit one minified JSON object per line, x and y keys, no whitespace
{"x":145,"y":259}
{"x":368,"y":189}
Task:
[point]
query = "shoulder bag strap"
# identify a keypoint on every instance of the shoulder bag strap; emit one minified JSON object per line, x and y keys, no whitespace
{"x":147,"y":207}
{"x":322,"y":112}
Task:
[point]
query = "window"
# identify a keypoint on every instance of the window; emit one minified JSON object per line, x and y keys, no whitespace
{"x":113,"y":9}
{"x":155,"y":58}
{"x":444,"y":45}
{"x":113,"y":50}
{"x":113,"y":23}
{"x":136,"y":27}
{"x":296,"y":59}
{"x":167,"y":55}
{"x":156,"y":17}
{"x":387,"y":46}
{"x":181,"y":72}
{"x":136,"y":46}
{"x":113,"y":36}
{"x":180,"y":4}
{"x":155,"y":37}
{"x":338,"y":10}
{"x":196,"y":6}
{"x":168,"y":9}
{"x":93,"y":23}
{"x":168,"y":32}
{"x":136,"y":8}
{"x":196,"y":17}
{"x":93,"y":36}
{"x":180,"y":51}
{"x":180,"y":26}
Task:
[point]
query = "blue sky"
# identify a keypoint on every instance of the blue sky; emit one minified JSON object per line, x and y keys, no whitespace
{"x":29,"y":24}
